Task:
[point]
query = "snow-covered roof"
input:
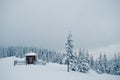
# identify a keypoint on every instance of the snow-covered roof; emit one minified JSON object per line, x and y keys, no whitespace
{"x":31,"y":54}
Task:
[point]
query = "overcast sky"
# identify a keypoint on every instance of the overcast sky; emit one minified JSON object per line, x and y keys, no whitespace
{"x":46,"y":23}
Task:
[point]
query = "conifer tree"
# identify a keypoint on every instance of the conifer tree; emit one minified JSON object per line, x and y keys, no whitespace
{"x":69,"y":51}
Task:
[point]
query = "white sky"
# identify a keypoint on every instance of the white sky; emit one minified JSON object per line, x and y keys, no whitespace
{"x":46,"y":23}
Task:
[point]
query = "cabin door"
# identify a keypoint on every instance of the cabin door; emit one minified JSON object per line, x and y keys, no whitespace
{"x":30,"y":60}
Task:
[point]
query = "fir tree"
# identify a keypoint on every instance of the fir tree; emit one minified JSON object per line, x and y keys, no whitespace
{"x":104,"y":63}
{"x":99,"y":66}
{"x":83,"y":61}
{"x":91,"y":62}
{"x":69,"y":51}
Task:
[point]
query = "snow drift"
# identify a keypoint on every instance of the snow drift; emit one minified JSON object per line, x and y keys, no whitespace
{"x":51,"y":71}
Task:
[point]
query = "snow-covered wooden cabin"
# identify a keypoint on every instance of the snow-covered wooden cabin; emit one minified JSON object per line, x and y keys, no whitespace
{"x":31,"y":58}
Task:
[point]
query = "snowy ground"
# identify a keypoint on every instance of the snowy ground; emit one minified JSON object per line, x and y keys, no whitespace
{"x":49,"y":72}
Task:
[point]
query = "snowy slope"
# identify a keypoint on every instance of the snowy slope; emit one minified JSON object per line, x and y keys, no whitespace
{"x":51,"y":71}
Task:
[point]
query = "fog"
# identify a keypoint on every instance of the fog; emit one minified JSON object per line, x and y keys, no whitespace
{"x":46,"y":23}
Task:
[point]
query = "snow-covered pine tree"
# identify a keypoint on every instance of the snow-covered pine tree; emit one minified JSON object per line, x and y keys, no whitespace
{"x":91,"y":62}
{"x":99,"y":65}
{"x":2,"y":52}
{"x":83,"y":61}
{"x":115,"y":68}
{"x":19,"y":52}
{"x":64,"y":59}
{"x":69,"y":51}
{"x":87,"y":56}
{"x":104,"y":63}
{"x":118,"y":72}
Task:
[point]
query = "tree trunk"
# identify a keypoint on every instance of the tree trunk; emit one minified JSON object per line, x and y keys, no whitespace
{"x":67,"y":65}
